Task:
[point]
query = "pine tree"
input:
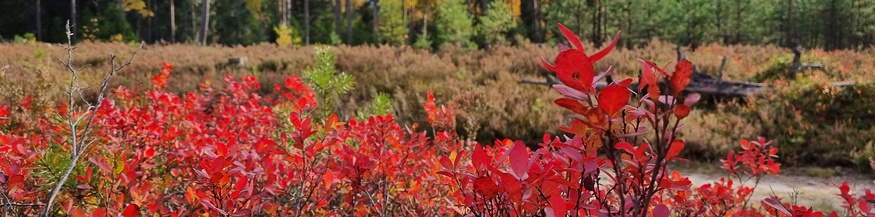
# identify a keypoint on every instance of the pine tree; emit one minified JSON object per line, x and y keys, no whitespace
{"x":325,"y":80}
{"x":454,"y":24}
{"x":393,"y":29}
{"x":496,"y":24}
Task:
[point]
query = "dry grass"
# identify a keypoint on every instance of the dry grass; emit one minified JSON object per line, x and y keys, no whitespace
{"x":482,"y":84}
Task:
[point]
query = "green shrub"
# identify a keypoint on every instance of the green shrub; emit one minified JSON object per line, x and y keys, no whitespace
{"x":815,"y":121}
{"x":325,"y":80}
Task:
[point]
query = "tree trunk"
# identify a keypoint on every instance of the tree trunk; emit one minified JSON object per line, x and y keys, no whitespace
{"x":470,"y":4}
{"x":425,"y":23}
{"x":719,"y":19}
{"x":307,"y":22}
{"x":376,"y":27}
{"x":833,"y":39}
{"x":595,"y":24}
{"x":149,"y":22}
{"x":205,"y":22}
{"x":789,"y":40}
{"x":280,"y":5}
{"x":282,"y":8}
{"x":172,"y":22}
{"x":349,"y":22}
{"x":578,"y":18}
{"x":629,"y":19}
{"x":338,"y":18}
{"x":538,"y":33}
{"x":139,"y":25}
{"x":194,"y":29}
{"x":737,"y":22}
{"x":39,"y":21}
{"x":484,"y":7}
{"x":73,"y":21}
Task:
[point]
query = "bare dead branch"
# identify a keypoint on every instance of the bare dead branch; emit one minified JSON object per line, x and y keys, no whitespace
{"x":79,"y":146}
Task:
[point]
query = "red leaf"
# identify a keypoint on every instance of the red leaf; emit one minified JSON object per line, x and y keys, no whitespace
{"x":149,"y":152}
{"x":87,"y":177}
{"x":681,"y":77}
{"x":519,"y":160}
{"x":486,"y":186}
{"x":332,"y":123}
{"x":547,"y":65}
{"x":480,"y":158}
{"x":131,"y":211}
{"x":81,"y":178}
{"x":680,"y":183}
{"x":682,"y":111}
{"x":658,"y":69}
{"x":572,"y":105}
{"x":25,"y":103}
{"x":613,"y":98}
{"x":15,"y":182}
{"x":221,"y":149}
{"x":660,"y":211}
{"x":88,"y":173}
{"x":78,"y":212}
{"x":328,"y":178}
{"x":446,"y":162}
{"x":558,"y":205}
{"x":604,"y":52}
{"x":640,"y":152}
{"x":625,"y":146}
{"x":447,"y":173}
{"x":578,"y":127}
{"x":625,"y":83}
{"x":845,"y":189}
{"x":241,"y":183}
{"x":3,"y":112}
{"x":674,"y":149}
{"x":575,"y":70}
{"x":99,"y":212}
{"x":167,"y":66}
{"x":775,"y":203}
{"x":572,"y":38}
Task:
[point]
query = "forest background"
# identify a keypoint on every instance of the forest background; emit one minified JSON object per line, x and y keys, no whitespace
{"x":838,"y":24}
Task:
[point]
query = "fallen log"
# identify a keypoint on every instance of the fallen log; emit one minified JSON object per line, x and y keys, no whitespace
{"x":702,"y":83}
{"x":699,"y":83}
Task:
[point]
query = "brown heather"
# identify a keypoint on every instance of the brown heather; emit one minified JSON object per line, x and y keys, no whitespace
{"x":483,"y":84}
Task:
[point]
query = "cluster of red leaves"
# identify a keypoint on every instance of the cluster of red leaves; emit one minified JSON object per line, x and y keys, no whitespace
{"x":222,"y":153}
{"x":443,"y":118}
{"x":614,"y":163}
{"x":233,"y":152}
{"x":567,"y":176}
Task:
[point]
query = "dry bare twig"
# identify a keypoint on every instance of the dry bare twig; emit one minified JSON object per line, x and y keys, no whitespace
{"x":80,"y":142}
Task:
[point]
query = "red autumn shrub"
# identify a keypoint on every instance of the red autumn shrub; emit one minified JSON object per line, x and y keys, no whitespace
{"x":225,"y":152}
{"x":615,"y":161}
{"x":232,"y":152}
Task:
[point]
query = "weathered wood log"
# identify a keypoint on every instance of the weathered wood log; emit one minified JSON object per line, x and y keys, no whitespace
{"x":237,"y":61}
{"x":699,"y":83}
{"x":705,"y":84}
